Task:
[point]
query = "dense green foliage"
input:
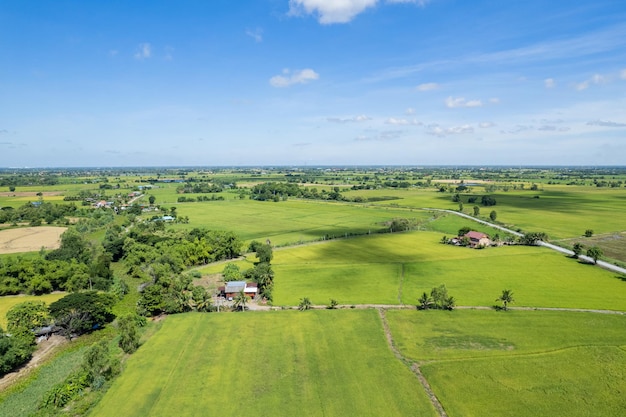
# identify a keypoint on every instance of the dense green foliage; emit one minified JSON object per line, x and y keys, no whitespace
{"x":82,"y":312}
{"x":15,"y":349}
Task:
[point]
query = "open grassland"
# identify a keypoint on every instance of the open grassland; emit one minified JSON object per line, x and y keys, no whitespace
{"x":385,"y":269}
{"x":30,"y":239}
{"x":7,"y":302}
{"x":270,"y":364}
{"x":291,"y":221}
{"x":518,"y":363}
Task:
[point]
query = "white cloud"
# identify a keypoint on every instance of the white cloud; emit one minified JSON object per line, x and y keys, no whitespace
{"x":144,"y":51}
{"x":256,"y":34}
{"x":428,"y":87}
{"x":338,"y":11}
{"x":385,"y":135}
{"x":606,"y":123}
{"x":290,"y":78}
{"x":409,"y":111}
{"x":353,"y":119}
{"x":549,"y":83}
{"x":437,"y":130}
{"x":453,"y":102}
{"x":113,"y":52}
{"x":494,"y":100}
{"x":582,"y":86}
{"x":402,"y":122}
{"x":486,"y":125}
{"x":599,"y":79}
{"x":622,"y":75}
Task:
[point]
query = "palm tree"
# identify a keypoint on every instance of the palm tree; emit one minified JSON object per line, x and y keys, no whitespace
{"x":305,"y":304}
{"x":506,"y":297}
{"x":240,"y":301}
{"x":425,"y":302}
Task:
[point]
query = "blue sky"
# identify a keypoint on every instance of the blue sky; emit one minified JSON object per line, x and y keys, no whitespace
{"x":312,"y":82}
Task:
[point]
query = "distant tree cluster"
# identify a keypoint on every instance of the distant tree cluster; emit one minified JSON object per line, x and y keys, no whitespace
{"x":200,"y":188}
{"x":172,"y":294}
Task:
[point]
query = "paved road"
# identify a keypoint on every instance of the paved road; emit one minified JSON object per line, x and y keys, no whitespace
{"x":602,"y":264}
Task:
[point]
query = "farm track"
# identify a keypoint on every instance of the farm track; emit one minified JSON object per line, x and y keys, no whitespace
{"x":412,"y":365}
{"x":45,"y":350}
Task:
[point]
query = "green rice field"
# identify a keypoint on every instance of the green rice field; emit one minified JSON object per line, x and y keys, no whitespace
{"x":518,"y":363}
{"x":396,"y":268}
{"x":320,"y":363}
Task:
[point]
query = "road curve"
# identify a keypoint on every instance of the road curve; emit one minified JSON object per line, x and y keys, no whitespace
{"x":602,"y":264}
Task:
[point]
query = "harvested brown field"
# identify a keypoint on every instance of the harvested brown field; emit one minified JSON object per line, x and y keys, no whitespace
{"x":30,"y":239}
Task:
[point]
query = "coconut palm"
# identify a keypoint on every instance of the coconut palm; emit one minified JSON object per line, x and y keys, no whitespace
{"x":424,"y":302}
{"x":506,"y":297}
{"x":305,"y":304}
{"x":240,"y":301}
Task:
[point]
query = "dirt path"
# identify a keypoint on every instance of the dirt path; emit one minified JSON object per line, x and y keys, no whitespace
{"x":44,"y":350}
{"x":412,"y":365}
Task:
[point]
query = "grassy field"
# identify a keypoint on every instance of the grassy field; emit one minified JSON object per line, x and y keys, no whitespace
{"x":7,"y":302}
{"x":380,"y":269}
{"x":561,"y":211}
{"x":291,"y":221}
{"x":519,"y":363}
{"x":285,"y":363}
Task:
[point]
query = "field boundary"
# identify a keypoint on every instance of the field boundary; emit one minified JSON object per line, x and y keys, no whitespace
{"x":413,"y":366}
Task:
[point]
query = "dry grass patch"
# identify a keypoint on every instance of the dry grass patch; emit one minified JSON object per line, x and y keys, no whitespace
{"x":30,"y":239}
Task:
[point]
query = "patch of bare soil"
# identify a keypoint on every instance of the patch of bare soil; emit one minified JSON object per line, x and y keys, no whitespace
{"x":44,"y":350}
{"x":30,"y":239}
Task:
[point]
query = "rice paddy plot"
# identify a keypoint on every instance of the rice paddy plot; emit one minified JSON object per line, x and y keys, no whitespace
{"x":518,"y":363}
{"x":268,"y":364}
{"x":292,"y":221}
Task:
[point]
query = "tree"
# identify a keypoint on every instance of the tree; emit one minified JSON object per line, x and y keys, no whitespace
{"x":476,"y":210}
{"x":15,"y":350}
{"x":464,"y":230}
{"x":594,"y":253}
{"x":578,"y":249}
{"x":424,"y":302}
{"x":231,"y":272}
{"x":506,"y":297}
{"x":333,"y":304}
{"x":588,"y":233}
{"x":264,"y":253}
{"x":487,"y":200}
{"x":99,"y":365}
{"x":151,"y":200}
{"x":27,"y":316}
{"x":493,"y":215}
{"x":305,"y":304}
{"x":240,"y":301}
{"x":441,"y":299}
{"x":12,"y":188}
{"x":533,"y":238}
{"x":129,"y":333}
{"x":81,"y":312}
{"x":460,"y":206}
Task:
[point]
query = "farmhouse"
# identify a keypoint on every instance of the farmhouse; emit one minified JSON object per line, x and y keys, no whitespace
{"x":232,"y":288}
{"x":477,"y":239}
